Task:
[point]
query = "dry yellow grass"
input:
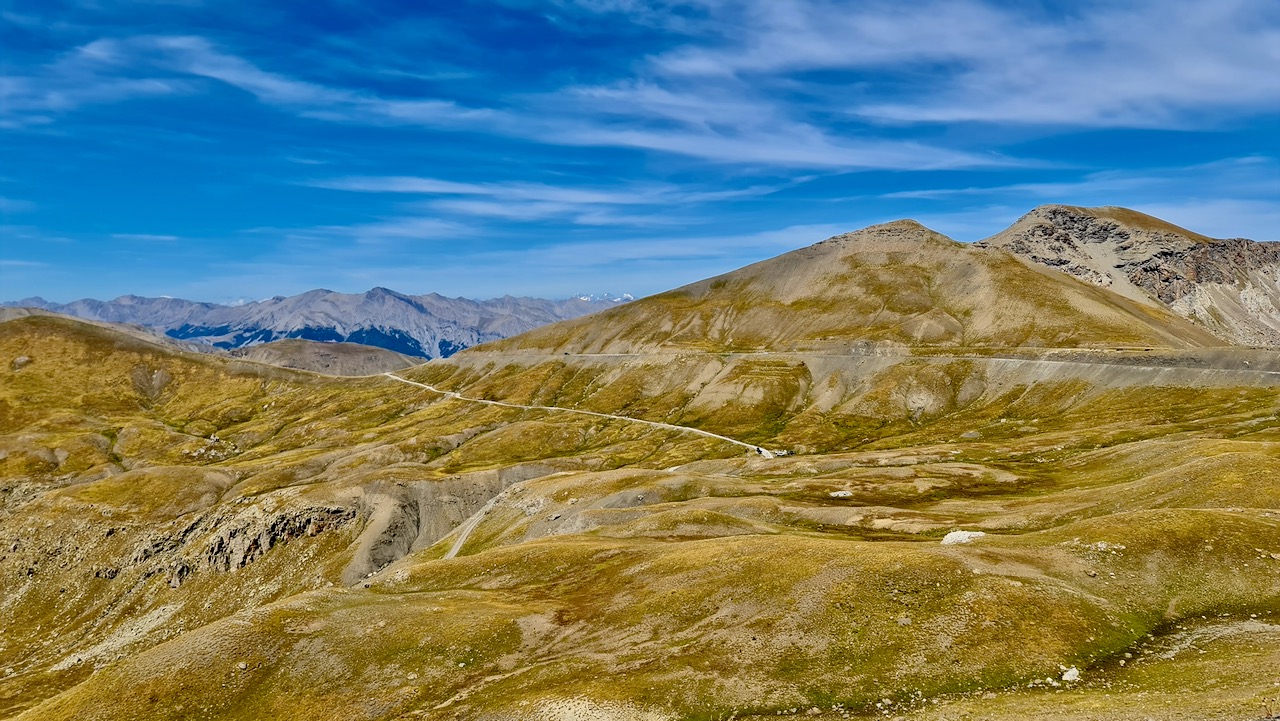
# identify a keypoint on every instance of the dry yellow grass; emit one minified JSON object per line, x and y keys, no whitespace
{"x":188,"y":537}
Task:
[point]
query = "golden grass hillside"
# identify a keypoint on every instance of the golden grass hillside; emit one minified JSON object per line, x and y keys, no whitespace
{"x":147,"y":492}
{"x":192,"y":537}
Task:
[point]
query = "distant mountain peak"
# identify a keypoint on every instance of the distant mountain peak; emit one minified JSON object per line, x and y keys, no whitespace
{"x":604,"y":297}
{"x":424,"y":326}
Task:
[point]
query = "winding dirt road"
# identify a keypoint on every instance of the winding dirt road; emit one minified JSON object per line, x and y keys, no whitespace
{"x":666,"y":426}
{"x":464,"y":530}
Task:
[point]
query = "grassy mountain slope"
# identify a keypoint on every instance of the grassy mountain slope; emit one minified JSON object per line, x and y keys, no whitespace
{"x":898,"y":283}
{"x":339,"y":359}
{"x":217,"y":539}
{"x":743,"y":585}
{"x":147,"y":492}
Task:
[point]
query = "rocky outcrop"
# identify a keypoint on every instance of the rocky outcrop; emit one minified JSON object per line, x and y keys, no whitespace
{"x":239,"y":544}
{"x":1231,"y":287}
{"x":228,"y":540}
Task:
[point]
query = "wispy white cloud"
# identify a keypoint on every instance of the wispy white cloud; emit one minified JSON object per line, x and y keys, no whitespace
{"x":197,"y":56}
{"x":77,"y":79}
{"x":785,"y":144}
{"x":729,"y":124}
{"x":105,"y":70}
{"x":1140,"y":63}
{"x":759,"y":37}
{"x":31,"y":236}
{"x":1224,"y":198}
{"x":389,"y":231}
{"x":527,"y":201}
{"x":729,"y":120}
{"x":529,"y":211}
{"x":1220,"y":217}
{"x":1229,"y":197}
{"x":677,"y":16}
{"x":144,"y":237}
{"x":15,"y":205}
{"x":540,"y":192}
{"x":414,"y":228}
{"x":1092,"y":183}
{"x":20,"y":19}
{"x":732,"y":250}
{"x":642,"y":266}
{"x":799,"y":84}
{"x":523,"y":191}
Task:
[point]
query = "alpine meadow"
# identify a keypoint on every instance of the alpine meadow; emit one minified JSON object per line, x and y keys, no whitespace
{"x":965,"y":483}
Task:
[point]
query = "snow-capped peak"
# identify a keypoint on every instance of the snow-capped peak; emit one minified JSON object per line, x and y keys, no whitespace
{"x":608,"y":297}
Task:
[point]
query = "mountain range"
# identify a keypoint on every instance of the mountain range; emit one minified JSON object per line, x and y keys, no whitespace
{"x":1228,"y":287}
{"x":423,"y":326}
{"x":886,"y":475}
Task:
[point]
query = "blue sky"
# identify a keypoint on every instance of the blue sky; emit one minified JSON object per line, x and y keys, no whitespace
{"x":230,"y":150}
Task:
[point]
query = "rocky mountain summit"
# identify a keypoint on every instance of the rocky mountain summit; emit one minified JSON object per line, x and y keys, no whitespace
{"x":1229,"y":286}
{"x":896,"y":283}
{"x":423,"y":326}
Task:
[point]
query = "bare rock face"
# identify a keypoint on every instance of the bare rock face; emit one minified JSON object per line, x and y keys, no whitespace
{"x":229,"y":540}
{"x":1230,"y":287}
